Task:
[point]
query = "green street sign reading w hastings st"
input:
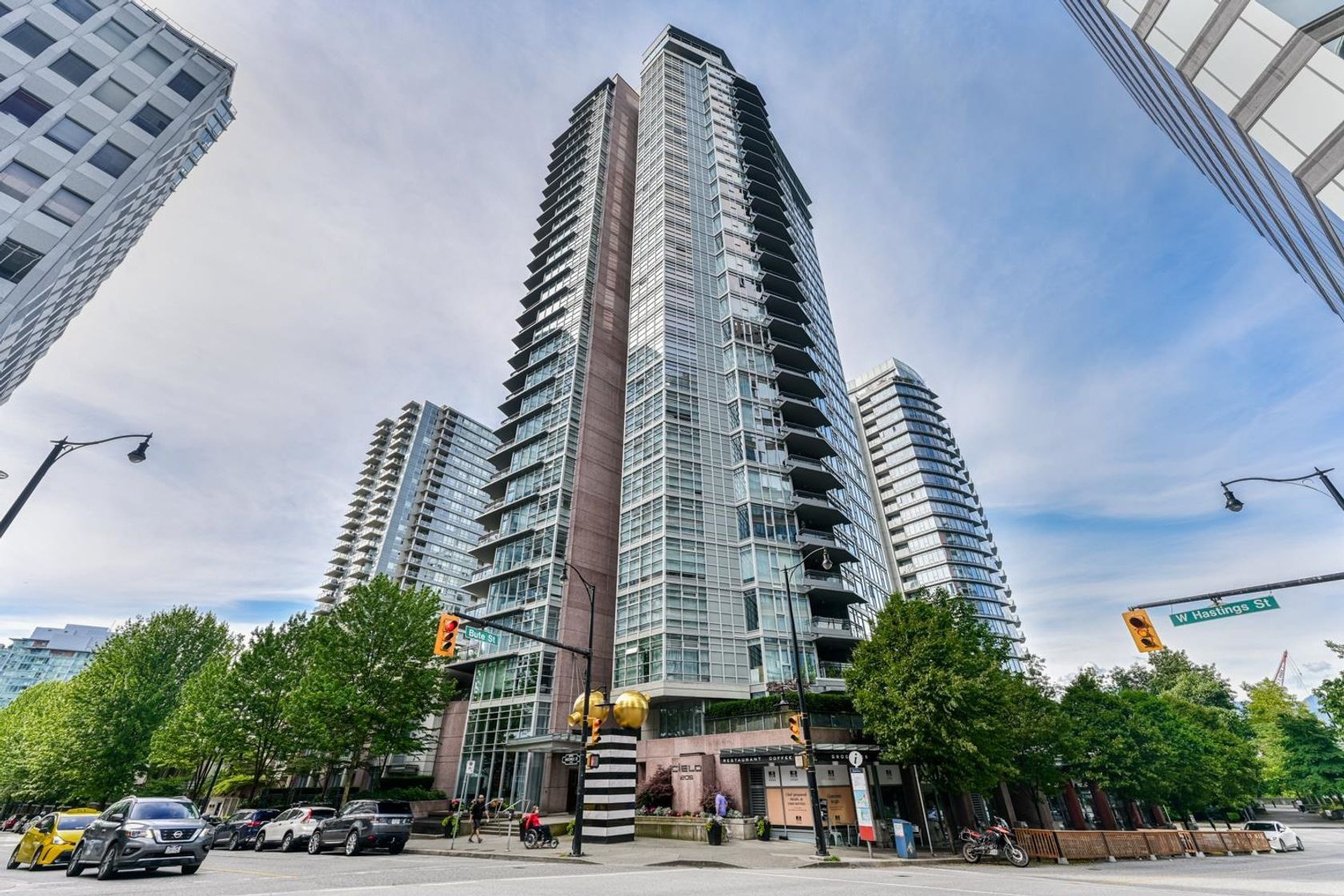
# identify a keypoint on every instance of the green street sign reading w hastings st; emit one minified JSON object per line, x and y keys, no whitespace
{"x":1225,"y":611}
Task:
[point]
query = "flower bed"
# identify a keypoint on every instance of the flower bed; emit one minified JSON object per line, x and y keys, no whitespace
{"x":670,"y":827}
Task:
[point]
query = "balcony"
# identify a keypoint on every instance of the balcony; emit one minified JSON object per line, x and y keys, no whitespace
{"x":817,"y":511}
{"x":837,"y":631}
{"x":805,"y":441}
{"x":810,"y":475}
{"x":790,"y":332}
{"x":833,"y":671}
{"x":797,"y":409}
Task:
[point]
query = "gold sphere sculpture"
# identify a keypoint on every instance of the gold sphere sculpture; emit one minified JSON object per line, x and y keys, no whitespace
{"x":597,"y":707}
{"x":631,"y":709}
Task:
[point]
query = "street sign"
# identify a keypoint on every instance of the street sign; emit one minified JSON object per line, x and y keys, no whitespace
{"x":1225,"y":611}
{"x":856,"y":758}
{"x":571,"y":759}
{"x":477,"y":634}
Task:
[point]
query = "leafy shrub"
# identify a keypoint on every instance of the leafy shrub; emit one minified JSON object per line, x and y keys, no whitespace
{"x":656,"y":790}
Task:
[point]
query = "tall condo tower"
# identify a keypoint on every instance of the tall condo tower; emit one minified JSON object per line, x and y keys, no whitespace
{"x":1253,"y":92}
{"x":48,"y":654}
{"x":937,"y":532}
{"x":413,"y":514}
{"x":104,"y":108}
{"x":554,"y":498}
{"x":741,"y":452}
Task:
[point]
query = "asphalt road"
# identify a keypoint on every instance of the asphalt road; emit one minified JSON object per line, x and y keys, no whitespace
{"x":1317,"y":872}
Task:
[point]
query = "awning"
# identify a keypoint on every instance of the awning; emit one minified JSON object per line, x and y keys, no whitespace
{"x":786,"y":754}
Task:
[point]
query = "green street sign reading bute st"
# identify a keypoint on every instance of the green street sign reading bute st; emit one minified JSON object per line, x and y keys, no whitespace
{"x":1225,"y":611}
{"x":478,"y":634}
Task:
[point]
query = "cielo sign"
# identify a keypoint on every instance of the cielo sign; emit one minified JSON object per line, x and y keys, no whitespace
{"x":1225,"y":611}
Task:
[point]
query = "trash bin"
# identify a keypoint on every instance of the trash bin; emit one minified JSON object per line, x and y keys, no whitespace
{"x":903,"y":838}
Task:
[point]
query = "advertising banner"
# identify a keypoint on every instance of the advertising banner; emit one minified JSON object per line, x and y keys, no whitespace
{"x":863,"y":806}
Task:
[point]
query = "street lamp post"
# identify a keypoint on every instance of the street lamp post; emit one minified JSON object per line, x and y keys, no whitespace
{"x":809,"y":754}
{"x":576,"y":846}
{"x":59,"y":450}
{"x":1235,"y":505}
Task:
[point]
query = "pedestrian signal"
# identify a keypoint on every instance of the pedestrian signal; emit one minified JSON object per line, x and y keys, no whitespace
{"x":445,"y":642}
{"x":796,"y":729}
{"x":1142,"y":631}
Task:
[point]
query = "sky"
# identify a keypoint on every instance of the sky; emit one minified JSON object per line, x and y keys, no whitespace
{"x":1109,"y":338}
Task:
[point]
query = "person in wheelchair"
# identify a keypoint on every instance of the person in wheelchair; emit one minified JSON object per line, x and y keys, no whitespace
{"x":534,"y":832}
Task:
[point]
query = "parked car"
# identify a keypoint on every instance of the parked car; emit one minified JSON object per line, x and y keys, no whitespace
{"x":143,"y":832}
{"x":365,"y":824}
{"x":1281,"y":837}
{"x":52,"y":839}
{"x":240,"y":828}
{"x":291,"y":828}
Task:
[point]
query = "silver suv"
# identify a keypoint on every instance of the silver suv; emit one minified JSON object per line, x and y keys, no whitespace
{"x":143,"y":832}
{"x":365,"y":824}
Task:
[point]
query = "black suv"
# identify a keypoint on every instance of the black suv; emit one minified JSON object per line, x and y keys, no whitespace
{"x":365,"y":824}
{"x":240,"y":829}
{"x":143,"y":832}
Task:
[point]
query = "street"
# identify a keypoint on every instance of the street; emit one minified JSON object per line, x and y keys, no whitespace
{"x":1316,"y":872}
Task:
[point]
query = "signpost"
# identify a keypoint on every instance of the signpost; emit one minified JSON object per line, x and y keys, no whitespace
{"x":571,"y":759}
{"x":1225,"y":611}
{"x":476,"y":634}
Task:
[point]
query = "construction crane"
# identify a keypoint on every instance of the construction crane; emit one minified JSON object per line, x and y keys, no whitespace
{"x":1283,"y":668}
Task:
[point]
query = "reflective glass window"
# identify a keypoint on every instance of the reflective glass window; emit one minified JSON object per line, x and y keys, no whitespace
{"x":16,"y":260}
{"x":29,"y":38}
{"x":20,"y":181}
{"x":112,"y":159}
{"x":151,"y":119}
{"x":116,"y":34}
{"x":79,"y":10}
{"x":113,"y":94}
{"x":67,"y":206}
{"x":24,"y":106}
{"x":185,"y":85}
{"x":74,"y":68}
{"x":151,"y":60}
{"x":70,"y":134}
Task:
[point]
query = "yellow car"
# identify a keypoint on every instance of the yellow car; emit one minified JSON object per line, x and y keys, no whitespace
{"x":51,"y":839}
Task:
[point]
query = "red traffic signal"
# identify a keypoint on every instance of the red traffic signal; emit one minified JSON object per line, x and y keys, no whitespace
{"x":1142,"y":631}
{"x":796,"y":729}
{"x":445,"y":642}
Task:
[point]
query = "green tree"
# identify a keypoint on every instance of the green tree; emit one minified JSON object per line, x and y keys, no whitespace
{"x":372,"y":677}
{"x":1172,"y":673}
{"x":1313,"y":762}
{"x":932,"y":689}
{"x":34,"y":728}
{"x":1036,"y":722}
{"x":130,"y":687}
{"x":1268,"y":703}
{"x":1331,"y":693}
{"x":198,"y":736}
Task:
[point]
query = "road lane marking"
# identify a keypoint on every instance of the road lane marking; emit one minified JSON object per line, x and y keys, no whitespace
{"x":481,"y":880}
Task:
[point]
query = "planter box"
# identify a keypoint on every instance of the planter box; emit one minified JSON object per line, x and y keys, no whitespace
{"x":670,"y":828}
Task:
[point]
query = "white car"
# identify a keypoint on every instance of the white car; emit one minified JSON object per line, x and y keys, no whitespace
{"x":1281,"y":837}
{"x":291,"y":828}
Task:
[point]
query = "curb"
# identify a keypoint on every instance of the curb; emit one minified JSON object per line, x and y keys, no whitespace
{"x":561,"y":858}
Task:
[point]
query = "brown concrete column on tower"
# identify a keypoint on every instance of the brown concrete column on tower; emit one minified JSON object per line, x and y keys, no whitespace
{"x":1074,"y":807}
{"x":1101,"y":804}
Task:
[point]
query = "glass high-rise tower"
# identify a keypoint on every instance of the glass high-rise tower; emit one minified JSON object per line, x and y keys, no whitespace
{"x":937,"y":531}
{"x":1253,"y":92}
{"x":554,"y":498}
{"x":741,"y":453}
{"x":104,"y":108}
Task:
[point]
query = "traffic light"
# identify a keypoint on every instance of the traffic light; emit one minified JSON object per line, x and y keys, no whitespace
{"x":796,"y":729}
{"x":596,"y":737}
{"x":445,"y":642}
{"x":1142,"y":631}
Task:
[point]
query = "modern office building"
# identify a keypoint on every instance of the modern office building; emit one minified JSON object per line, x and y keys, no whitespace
{"x":1253,"y":92}
{"x":413,"y":514}
{"x":413,"y":519}
{"x":48,"y":654}
{"x":105,"y":106}
{"x":554,"y":498}
{"x":742,"y":458}
{"x":938,"y":536}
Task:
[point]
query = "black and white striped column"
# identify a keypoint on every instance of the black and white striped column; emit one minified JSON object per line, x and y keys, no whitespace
{"x":609,"y":801}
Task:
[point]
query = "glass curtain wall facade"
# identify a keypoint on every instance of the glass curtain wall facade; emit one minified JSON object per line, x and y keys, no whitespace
{"x":1257,"y":103}
{"x":104,"y":108}
{"x":413,"y":514}
{"x":48,"y":654}
{"x":554,"y":497}
{"x":741,"y":452}
{"x":937,"y":530}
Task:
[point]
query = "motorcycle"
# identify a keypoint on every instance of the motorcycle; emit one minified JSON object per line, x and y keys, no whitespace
{"x":996,"y":839}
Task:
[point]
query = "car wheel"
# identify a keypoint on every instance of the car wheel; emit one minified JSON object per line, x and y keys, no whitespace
{"x":315,"y":844}
{"x":74,"y":868}
{"x":13,"y":859}
{"x":287,"y":842}
{"x":190,"y":869}
{"x":233,"y":841}
{"x":107,"y":868}
{"x":259,"y":845}
{"x":395,"y":848}
{"x":352,"y":843}
{"x":1300,"y":847}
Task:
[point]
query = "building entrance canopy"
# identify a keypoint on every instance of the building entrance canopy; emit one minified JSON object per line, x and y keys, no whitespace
{"x":784,"y":754}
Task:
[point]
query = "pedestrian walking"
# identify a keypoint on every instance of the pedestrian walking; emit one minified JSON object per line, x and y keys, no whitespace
{"x":477,"y":818}
{"x":720,"y":804}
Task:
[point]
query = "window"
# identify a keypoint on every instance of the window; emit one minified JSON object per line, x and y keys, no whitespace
{"x":151,"y":60}
{"x":70,"y":134}
{"x":151,"y":119}
{"x":67,"y":206}
{"x":4,"y":9}
{"x":116,"y":34}
{"x":79,"y":10}
{"x":29,"y":38}
{"x":113,"y":94}
{"x":74,"y":68}
{"x":112,"y":159}
{"x":185,"y":85}
{"x":24,"y":106}
{"x":20,"y":181}
{"x":16,"y":260}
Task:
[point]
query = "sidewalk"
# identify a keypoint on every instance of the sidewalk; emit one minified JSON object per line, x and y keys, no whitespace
{"x":653,"y":852}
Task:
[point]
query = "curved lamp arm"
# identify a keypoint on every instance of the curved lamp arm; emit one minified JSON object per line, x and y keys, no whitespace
{"x":60,"y":449}
{"x":1235,"y":505}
